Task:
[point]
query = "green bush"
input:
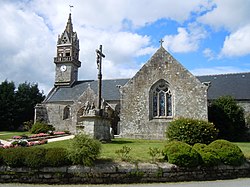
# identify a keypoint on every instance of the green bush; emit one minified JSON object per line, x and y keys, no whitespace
{"x":56,"y":157}
{"x":208,"y":155}
{"x":228,"y":153}
{"x":40,"y":127}
{"x":13,"y":157}
{"x":228,"y":117}
{"x":34,"y":157}
{"x":191,"y":131}
{"x":123,"y":153}
{"x":181,"y":154}
{"x":83,"y":150}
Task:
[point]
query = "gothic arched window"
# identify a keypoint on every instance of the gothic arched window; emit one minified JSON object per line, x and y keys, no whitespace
{"x":161,"y":100}
{"x":66,"y":112}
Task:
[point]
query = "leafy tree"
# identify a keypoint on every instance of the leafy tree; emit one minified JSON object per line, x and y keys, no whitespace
{"x":7,"y":104}
{"x":228,"y":117}
{"x":17,"y":106}
{"x":27,"y":96}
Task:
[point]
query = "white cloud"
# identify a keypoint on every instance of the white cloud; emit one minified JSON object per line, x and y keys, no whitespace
{"x":26,"y":46}
{"x":29,"y":32}
{"x":229,"y":14}
{"x":237,"y":43}
{"x":187,"y":40}
{"x":208,"y":53}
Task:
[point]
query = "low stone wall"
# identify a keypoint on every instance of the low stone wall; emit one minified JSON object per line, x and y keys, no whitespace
{"x":104,"y":173}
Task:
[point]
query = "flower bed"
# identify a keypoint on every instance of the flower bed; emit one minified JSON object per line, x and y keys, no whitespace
{"x":40,"y":135}
{"x":23,"y":143}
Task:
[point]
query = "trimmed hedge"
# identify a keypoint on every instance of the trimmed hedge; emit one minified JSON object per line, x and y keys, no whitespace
{"x":208,"y":155}
{"x":181,"y":154}
{"x":33,"y":157}
{"x":56,"y":157}
{"x":83,"y":150}
{"x":191,"y":131}
{"x":228,"y":153}
{"x":217,"y":152}
{"x":14,"y":157}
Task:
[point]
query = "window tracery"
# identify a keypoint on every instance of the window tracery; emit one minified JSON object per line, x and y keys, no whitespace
{"x":161,"y":100}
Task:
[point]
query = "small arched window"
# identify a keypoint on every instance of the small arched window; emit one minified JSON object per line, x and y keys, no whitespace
{"x":161,"y":99}
{"x":66,"y":112}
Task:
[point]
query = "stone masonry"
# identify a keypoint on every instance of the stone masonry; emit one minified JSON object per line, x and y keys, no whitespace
{"x":189,"y":97}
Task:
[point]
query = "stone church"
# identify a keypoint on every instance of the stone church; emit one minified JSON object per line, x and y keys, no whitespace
{"x":140,"y":107}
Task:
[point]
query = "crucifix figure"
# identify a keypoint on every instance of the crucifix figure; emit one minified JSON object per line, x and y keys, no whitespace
{"x":161,"y":42}
{"x":99,"y":57}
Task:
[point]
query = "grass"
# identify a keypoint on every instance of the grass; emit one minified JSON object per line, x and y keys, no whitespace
{"x":245,"y":147}
{"x":6,"y":135}
{"x":139,"y":148}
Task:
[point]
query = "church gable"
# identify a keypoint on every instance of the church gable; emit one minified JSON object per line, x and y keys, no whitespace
{"x":161,"y":91}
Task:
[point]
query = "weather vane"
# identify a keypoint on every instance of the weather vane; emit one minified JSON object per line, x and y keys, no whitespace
{"x":70,"y":6}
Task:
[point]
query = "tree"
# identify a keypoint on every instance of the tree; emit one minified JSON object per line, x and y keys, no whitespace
{"x":228,"y":117}
{"x":27,"y":96}
{"x":7,"y":104}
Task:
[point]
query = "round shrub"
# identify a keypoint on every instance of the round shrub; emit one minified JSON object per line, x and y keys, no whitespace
{"x":83,"y":150}
{"x":191,"y":131}
{"x":209,"y":156}
{"x":34,"y":157}
{"x":56,"y":157}
{"x":40,"y":127}
{"x":228,"y":153}
{"x":181,"y":154}
{"x":13,"y":157}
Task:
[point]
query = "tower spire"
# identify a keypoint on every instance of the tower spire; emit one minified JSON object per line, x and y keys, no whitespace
{"x":69,"y":26}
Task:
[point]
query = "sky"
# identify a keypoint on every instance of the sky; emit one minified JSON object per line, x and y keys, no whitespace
{"x":205,"y":36}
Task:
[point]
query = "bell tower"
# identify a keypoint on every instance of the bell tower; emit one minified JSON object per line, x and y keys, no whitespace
{"x":67,"y":56}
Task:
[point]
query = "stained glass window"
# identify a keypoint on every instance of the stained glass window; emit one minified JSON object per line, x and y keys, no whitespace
{"x":161,"y":100}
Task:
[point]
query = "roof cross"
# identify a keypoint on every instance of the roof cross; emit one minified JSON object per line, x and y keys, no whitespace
{"x":161,"y":42}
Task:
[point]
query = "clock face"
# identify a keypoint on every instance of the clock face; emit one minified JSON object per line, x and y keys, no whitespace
{"x":63,"y":68}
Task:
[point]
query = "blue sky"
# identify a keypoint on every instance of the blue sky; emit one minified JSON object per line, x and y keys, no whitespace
{"x":205,"y":36}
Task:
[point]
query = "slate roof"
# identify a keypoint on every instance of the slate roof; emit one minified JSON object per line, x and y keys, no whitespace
{"x":236,"y":85}
{"x":110,"y":90}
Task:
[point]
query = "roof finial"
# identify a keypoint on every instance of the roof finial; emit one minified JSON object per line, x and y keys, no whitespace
{"x":70,"y":6}
{"x":161,"y":42}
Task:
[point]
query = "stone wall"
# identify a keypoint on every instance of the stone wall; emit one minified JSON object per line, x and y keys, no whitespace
{"x":246,"y":106}
{"x":189,"y":97}
{"x":120,"y":173}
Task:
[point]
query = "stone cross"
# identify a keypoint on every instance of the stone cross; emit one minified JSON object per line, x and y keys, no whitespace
{"x":161,"y":42}
{"x":99,"y":57}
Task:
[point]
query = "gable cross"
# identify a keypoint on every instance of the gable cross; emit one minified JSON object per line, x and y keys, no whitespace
{"x":161,"y":42}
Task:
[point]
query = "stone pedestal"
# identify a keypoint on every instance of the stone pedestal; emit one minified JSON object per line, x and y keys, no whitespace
{"x":96,"y":125}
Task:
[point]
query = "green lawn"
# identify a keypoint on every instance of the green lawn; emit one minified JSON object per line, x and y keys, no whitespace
{"x":5,"y":135}
{"x":245,"y":147}
{"x":139,"y":148}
